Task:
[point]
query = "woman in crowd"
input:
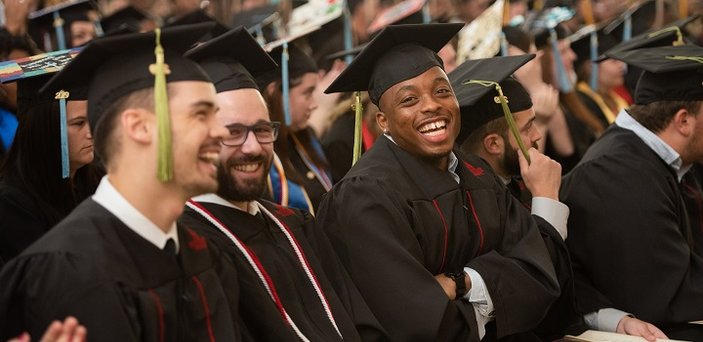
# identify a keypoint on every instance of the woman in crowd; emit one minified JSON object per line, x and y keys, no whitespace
{"x":34,"y":196}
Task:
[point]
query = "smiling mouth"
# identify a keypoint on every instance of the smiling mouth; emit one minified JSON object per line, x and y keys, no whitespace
{"x":209,"y":157}
{"x":433,"y":128}
{"x":251,"y":167}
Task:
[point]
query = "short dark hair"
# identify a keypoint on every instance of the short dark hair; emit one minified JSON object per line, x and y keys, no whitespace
{"x":103,"y":141}
{"x":657,"y":115}
{"x":474,"y":141}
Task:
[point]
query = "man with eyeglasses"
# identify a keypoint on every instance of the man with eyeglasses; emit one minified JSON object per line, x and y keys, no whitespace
{"x":285,"y":271}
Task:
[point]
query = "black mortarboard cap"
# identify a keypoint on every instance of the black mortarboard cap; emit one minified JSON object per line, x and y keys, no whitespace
{"x":261,"y":15}
{"x":31,"y":74}
{"x":671,"y":73}
{"x":581,"y":44}
{"x":517,"y":37}
{"x":116,"y":66}
{"x":232,"y":60}
{"x":199,"y":16}
{"x":480,"y":102}
{"x":45,"y":21}
{"x":299,"y":61}
{"x":641,"y":18}
{"x":126,"y":16}
{"x":668,"y":36}
{"x":398,"y":53}
{"x":344,"y":53}
{"x":549,"y":19}
{"x":402,"y":13}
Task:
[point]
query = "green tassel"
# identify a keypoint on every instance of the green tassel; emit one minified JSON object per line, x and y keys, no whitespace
{"x":358,"y":116}
{"x":679,"y":36}
{"x":165,"y":149}
{"x":696,"y":59}
{"x":508,"y":115}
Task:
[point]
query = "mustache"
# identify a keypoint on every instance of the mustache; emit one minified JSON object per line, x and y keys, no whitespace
{"x":245,"y":160}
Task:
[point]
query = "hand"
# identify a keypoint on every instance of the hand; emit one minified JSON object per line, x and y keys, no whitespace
{"x":320,"y":118}
{"x":447,"y":284}
{"x":16,"y":12}
{"x":545,"y":102}
{"x":542,"y":176}
{"x":328,"y":100}
{"x":633,"y":326}
{"x":68,"y":331}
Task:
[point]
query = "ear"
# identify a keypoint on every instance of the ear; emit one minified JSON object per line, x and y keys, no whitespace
{"x":138,"y":125}
{"x":382,"y":122}
{"x":683,"y":122}
{"x":493,"y":144}
{"x":271,"y":88}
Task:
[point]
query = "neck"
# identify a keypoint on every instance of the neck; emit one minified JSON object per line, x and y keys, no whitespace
{"x":243,"y":205}
{"x":159,"y":202}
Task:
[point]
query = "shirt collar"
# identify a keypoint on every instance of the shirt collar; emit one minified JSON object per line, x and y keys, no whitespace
{"x":111,"y":199}
{"x":654,"y":142}
{"x":252,"y":208}
{"x":453,"y":161}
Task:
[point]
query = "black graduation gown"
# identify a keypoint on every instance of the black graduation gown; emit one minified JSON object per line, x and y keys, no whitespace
{"x":396,"y":221}
{"x":119,"y":286}
{"x":563,"y":317}
{"x":629,"y":234}
{"x":262,"y":320}
{"x":21,"y":221}
{"x":338,"y":143}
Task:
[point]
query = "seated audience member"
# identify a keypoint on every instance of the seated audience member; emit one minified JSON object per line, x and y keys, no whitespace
{"x":119,"y":263}
{"x":417,"y":223}
{"x":39,"y":184}
{"x":630,"y":234}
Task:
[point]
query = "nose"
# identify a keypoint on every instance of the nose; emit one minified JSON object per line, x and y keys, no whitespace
{"x":313,"y":104}
{"x":251,"y":146}
{"x":430,"y":104}
{"x":535,"y":136}
{"x":218,"y":130}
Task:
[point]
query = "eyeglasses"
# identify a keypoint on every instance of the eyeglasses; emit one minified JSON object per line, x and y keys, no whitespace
{"x":265,"y":133}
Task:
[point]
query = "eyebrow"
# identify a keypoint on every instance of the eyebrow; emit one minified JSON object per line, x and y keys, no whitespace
{"x":204,"y":103}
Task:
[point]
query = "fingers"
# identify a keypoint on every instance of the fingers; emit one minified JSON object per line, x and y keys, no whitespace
{"x":21,"y":338}
{"x":68,"y":331}
{"x":524,"y":165}
{"x":656,"y":332}
{"x":52,"y":332}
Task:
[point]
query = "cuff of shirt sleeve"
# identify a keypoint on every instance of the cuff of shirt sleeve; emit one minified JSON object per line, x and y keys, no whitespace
{"x":554,"y":212}
{"x":605,"y":319}
{"x":480,"y":299}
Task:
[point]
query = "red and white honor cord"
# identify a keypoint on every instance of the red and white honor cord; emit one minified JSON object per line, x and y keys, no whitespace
{"x":266,"y":280}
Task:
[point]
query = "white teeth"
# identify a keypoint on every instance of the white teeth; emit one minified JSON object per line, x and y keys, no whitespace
{"x":247,"y":167}
{"x":211,"y":157}
{"x":433,"y":127}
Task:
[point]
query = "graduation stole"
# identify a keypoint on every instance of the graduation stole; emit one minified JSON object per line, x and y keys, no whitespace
{"x":319,"y":173}
{"x":259,"y":269}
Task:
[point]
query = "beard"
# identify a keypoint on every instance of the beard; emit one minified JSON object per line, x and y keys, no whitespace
{"x":510,"y":161}
{"x":236,"y":190}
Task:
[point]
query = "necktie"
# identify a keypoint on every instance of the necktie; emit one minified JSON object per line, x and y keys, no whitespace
{"x":170,"y":247}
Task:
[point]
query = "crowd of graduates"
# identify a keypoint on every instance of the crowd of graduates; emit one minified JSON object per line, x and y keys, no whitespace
{"x":362,"y":170}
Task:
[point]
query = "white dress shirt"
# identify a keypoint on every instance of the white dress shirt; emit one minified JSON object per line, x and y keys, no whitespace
{"x":107,"y":196}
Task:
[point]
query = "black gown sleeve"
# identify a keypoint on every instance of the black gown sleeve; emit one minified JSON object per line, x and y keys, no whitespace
{"x":371,"y":236}
{"x":40,"y":288}
{"x":627,"y":237}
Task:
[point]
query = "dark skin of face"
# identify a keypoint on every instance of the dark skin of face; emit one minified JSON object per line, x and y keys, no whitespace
{"x":422,"y":116}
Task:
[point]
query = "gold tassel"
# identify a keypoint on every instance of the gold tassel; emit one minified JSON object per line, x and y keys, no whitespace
{"x":508,"y":115}
{"x":358,"y":116}
{"x":160,"y":69}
